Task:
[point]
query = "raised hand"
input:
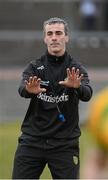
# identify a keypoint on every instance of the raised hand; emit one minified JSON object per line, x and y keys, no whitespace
{"x":73,"y":79}
{"x":33,"y":85}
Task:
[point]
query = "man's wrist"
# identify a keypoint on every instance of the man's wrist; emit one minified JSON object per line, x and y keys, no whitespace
{"x":78,"y":86}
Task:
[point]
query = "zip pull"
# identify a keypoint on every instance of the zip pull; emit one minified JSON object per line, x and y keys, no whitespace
{"x":60,"y":115}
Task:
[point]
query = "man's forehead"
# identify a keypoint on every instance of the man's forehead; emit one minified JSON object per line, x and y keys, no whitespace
{"x":54,"y":27}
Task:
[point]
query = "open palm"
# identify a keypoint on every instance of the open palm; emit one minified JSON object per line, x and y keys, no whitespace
{"x":73,"y":78}
{"x":33,"y":85}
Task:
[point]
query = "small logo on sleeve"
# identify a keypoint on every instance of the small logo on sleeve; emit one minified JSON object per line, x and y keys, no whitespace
{"x":75,"y":160}
{"x":40,"y":67}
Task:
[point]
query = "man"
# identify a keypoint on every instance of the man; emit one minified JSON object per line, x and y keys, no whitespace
{"x":50,"y":132}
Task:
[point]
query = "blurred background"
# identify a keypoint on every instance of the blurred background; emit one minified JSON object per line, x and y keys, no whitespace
{"x":21,"y":40}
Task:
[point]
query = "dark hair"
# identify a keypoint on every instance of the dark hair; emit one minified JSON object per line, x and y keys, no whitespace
{"x":54,"y":21}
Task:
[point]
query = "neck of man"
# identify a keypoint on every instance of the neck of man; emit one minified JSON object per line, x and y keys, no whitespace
{"x":57,"y":53}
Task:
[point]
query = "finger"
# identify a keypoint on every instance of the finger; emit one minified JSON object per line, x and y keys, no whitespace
{"x":61,"y":82}
{"x":68,"y":73}
{"x":80,"y":77}
{"x":73,"y":72}
{"x":30,"y":79}
{"x":34,"y":80}
{"x":38,"y":81}
{"x":26,"y":81}
{"x":77,"y":72}
{"x":43,"y":90}
{"x":27,"y":84}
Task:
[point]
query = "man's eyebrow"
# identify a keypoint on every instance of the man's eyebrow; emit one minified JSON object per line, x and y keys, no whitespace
{"x":49,"y":31}
{"x":54,"y":31}
{"x":59,"y":31}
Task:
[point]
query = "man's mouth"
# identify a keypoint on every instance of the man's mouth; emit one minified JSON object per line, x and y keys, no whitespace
{"x":55,"y":44}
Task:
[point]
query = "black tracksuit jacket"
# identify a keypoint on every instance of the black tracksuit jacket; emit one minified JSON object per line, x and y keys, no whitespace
{"x":42,"y":117}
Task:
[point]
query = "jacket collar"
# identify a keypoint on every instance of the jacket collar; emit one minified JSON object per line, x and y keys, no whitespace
{"x":56,"y":59}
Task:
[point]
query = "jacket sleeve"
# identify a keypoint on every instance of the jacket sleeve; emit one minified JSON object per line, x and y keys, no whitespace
{"x":85,"y":91}
{"x":28,"y":71}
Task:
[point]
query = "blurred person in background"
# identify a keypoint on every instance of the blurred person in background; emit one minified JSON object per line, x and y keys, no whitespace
{"x":96,"y":159}
{"x":88,"y":12}
{"x":50,"y":131}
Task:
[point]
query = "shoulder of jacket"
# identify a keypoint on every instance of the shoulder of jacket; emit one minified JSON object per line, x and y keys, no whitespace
{"x":75,"y":62}
{"x":38,"y":61}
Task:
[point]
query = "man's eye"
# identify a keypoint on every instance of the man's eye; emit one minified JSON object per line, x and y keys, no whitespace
{"x":49,"y":33}
{"x":59,"y":33}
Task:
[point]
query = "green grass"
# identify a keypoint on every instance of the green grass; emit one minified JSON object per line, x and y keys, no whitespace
{"x":9,"y":133}
{"x":8,"y":136}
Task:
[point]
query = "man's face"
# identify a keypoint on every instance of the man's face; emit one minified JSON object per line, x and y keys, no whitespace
{"x":55,"y":38}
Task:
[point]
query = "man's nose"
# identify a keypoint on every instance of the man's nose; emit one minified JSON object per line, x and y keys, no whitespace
{"x":54,"y":37}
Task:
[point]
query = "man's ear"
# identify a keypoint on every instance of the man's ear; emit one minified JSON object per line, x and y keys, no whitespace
{"x":67,"y":39}
{"x":44,"y":40}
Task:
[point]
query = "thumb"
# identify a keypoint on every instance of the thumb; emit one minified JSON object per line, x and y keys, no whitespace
{"x":43,"y":89}
{"x":61,"y":82}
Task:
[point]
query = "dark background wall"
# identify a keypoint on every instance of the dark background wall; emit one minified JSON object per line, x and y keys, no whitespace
{"x":21,"y":35}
